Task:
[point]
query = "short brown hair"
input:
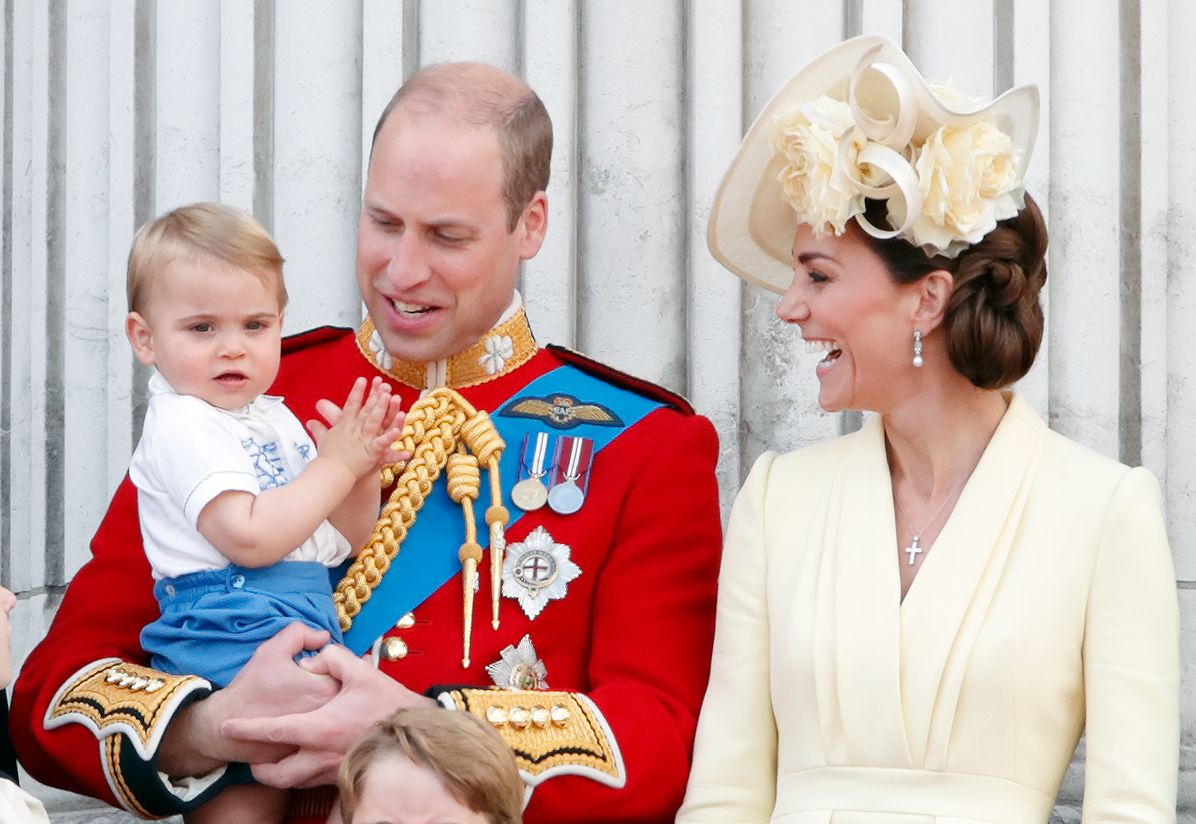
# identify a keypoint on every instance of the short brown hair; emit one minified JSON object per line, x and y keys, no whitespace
{"x":481,"y":95}
{"x":469,"y":758}
{"x":993,"y":324}
{"x":198,"y":231}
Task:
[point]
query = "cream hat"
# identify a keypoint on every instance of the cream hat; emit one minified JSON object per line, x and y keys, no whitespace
{"x":860,"y":122}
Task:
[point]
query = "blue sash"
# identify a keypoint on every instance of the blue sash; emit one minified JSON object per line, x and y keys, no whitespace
{"x":427,"y":558}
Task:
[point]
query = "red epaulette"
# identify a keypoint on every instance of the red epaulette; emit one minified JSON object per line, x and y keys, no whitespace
{"x":313,"y":337}
{"x":620,"y":378}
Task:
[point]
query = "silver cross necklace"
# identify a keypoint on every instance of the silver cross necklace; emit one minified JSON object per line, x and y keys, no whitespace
{"x":914,"y":549}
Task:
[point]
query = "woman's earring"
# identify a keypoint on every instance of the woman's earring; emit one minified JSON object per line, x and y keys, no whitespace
{"x":918,"y":348}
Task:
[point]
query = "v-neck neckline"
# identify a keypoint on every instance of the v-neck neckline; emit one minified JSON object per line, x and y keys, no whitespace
{"x":918,"y":646}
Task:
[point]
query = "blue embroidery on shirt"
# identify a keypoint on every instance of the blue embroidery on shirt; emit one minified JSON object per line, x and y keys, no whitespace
{"x":267,"y":463}
{"x":303,"y":449}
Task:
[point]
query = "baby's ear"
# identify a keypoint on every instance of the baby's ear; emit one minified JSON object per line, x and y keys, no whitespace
{"x":140,"y":338}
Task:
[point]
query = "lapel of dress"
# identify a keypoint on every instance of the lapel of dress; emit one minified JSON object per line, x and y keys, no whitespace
{"x":944,"y":610}
{"x":865,"y":657}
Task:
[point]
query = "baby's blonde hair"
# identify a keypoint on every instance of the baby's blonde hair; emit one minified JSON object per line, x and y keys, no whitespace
{"x":197,"y":232}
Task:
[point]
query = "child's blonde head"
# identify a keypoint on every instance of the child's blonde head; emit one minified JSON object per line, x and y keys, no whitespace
{"x":197,"y":232}
{"x":469,"y":758}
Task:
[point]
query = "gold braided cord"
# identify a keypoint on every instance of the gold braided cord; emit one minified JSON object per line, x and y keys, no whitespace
{"x":442,"y":429}
{"x":482,"y":438}
{"x":464,"y":484}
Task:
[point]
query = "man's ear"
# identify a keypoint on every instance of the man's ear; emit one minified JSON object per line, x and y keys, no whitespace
{"x":533,"y":225}
{"x":140,"y":337}
{"x":934,"y":292}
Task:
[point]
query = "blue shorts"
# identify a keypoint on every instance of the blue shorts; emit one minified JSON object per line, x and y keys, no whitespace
{"x":212,"y":622}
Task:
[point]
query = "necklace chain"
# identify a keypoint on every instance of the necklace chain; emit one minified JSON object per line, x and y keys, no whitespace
{"x":917,"y":533}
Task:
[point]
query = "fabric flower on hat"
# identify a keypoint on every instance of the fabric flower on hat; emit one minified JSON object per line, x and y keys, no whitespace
{"x":955,"y":98}
{"x":969,"y":183}
{"x":812,"y":180}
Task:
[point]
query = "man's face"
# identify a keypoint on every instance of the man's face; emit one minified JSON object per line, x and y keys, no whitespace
{"x":436,"y":264}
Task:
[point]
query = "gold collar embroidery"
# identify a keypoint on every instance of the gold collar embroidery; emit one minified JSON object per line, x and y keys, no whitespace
{"x":507,"y":347}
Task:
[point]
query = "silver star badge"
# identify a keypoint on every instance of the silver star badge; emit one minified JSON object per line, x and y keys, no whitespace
{"x":536,"y":571}
{"x":519,"y":668}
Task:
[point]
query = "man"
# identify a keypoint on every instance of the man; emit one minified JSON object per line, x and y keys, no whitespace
{"x":605,"y":488}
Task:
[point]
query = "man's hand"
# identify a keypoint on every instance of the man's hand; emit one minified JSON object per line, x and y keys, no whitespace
{"x":359,"y":433}
{"x":270,"y":684}
{"x":318,"y":739}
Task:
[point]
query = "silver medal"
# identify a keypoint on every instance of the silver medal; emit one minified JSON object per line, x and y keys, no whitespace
{"x":566,"y":498}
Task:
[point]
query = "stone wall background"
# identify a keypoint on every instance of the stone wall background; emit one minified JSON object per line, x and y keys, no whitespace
{"x":116,"y":110}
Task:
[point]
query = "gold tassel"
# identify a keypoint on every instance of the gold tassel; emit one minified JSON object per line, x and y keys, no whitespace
{"x":441,"y":429}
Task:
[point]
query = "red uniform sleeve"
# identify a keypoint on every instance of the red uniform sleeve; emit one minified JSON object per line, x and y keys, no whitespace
{"x":101,"y":617}
{"x":652,"y":631}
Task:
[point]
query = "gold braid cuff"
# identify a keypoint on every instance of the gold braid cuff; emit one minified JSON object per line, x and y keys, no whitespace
{"x":111,"y":696}
{"x":442,"y":430}
{"x":550,"y":733}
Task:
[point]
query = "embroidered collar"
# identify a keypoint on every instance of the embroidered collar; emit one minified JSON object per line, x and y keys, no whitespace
{"x":158,"y":385}
{"x":504,"y":349}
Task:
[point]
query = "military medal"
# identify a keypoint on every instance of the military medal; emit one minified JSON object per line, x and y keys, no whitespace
{"x":573,"y":463}
{"x":537,"y":570}
{"x":530,"y":493}
{"x":519,"y":668}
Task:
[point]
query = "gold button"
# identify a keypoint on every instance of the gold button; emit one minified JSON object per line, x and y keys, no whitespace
{"x":497,"y":716}
{"x":520,"y":717}
{"x":406,"y":622}
{"x":540,"y":716}
{"x":393,"y":649}
{"x":560,"y":715}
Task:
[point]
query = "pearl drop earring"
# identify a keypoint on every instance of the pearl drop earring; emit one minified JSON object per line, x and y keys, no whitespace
{"x":918,"y":348}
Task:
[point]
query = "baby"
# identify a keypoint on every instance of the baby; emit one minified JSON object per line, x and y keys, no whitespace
{"x":432,"y":764}
{"x":241,"y":517}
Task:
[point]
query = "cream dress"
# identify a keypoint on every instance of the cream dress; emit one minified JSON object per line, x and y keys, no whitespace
{"x":1048,"y":601}
{"x":19,"y":807}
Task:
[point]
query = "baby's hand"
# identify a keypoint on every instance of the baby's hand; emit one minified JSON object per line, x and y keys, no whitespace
{"x":359,"y":434}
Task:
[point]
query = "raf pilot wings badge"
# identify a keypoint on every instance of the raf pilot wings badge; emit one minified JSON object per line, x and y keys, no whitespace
{"x":562,"y":411}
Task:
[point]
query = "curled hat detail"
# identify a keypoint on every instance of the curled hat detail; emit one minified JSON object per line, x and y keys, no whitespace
{"x":861,"y":123}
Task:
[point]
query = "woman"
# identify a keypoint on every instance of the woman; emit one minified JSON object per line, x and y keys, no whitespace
{"x":16,"y":805}
{"x":916,"y":621}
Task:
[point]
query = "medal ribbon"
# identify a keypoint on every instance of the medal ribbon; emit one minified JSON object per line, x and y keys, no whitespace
{"x":536,"y":470}
{"x":428,"y":556}
{"x":576,"y":447}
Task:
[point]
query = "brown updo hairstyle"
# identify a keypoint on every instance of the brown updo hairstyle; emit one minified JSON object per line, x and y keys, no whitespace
{"x":993,"y":323}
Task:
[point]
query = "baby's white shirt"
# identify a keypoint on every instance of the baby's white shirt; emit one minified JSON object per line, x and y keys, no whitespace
{"x":191,"y":451}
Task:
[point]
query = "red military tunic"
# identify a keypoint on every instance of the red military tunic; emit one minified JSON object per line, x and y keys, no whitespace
{"x":633,"y":632}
